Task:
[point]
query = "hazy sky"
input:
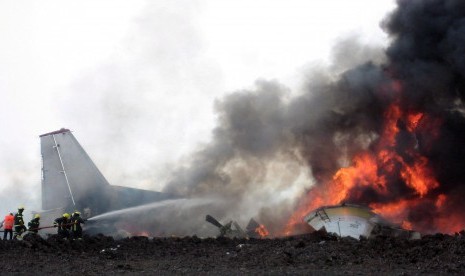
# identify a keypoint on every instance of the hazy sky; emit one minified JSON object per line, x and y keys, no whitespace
{"x":136,"y":80}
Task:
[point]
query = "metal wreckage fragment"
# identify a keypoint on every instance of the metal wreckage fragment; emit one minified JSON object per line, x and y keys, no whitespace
{"x":350,"y":220}
{"x":233,"y":230}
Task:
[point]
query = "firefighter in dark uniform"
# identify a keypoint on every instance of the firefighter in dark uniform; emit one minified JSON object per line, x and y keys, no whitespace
{"x":76,"y":228}
{"x":20,"y":228}
{"x":34,"y":224}
{"x":63,"y":224}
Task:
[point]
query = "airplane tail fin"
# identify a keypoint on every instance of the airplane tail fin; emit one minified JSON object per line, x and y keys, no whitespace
{"x":71,"y":180}
{"x":68,"y":173}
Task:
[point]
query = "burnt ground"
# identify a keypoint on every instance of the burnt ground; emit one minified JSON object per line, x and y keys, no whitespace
{"x":317,"y":253}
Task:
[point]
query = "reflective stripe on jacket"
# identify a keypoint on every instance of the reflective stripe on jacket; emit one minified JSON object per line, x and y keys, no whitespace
{"x":19,"y":219}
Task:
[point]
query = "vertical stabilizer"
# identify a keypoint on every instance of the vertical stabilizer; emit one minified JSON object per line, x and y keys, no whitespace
{"x":68,"y":173}
{"x":70,"y":180}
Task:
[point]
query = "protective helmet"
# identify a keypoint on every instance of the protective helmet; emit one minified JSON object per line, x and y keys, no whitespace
{"x":37,"y":216}
{"x":21,"y":207}
{"x":66,"y":215}
{"x":77,"y":213}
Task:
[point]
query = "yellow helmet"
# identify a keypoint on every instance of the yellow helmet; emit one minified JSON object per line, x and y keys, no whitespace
{"x":37,"y":216}
{"x":21,"y":207}
{"x":66,"y":215}
{"x":77,"y":213}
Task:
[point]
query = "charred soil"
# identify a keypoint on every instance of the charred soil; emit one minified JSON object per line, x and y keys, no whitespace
{"x":316,"y":253}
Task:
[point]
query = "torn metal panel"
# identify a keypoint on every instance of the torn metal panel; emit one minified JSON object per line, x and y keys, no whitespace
{"x":349,"y":220}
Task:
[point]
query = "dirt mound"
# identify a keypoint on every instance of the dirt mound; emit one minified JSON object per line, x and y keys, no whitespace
{"x":307,"y":254}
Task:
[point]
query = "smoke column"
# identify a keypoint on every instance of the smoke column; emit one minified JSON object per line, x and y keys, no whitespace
{"x":270,"y":147}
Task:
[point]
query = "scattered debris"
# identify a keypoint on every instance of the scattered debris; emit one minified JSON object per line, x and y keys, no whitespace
{"x":230,"y":229}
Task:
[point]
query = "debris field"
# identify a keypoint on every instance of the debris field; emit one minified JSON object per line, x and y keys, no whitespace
{"x":315,"y":253}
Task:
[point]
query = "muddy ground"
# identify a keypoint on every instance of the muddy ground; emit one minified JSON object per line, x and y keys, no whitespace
{"x":316,"y":253}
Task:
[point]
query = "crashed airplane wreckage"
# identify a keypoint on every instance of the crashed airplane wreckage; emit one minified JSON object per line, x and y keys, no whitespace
{"x":350,"y":220}
{"x":71,"y":181}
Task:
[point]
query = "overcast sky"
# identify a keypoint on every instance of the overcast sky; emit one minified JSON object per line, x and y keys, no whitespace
{"x":136,"y":80}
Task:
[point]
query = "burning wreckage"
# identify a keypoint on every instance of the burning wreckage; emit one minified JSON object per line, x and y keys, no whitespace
{"x":386,"y":132}
{"x":71,"y":181}
{"x":349,"y":220}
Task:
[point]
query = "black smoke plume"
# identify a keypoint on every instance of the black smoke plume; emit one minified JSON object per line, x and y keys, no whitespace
{"x":335,"y":117}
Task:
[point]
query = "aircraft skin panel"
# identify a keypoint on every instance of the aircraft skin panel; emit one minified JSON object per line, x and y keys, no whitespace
{"x":55,"y":192}
{"x":344,"y":220}
{"x":350,"y":210}
{"x":350,"y":220}
{"x":348,"y":226}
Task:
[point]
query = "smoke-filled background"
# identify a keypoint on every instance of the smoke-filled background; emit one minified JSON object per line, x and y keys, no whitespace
{"x":271,"y":145}
{"x":249,"y":103}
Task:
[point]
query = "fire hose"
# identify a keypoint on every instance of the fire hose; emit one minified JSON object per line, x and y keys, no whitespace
{"x":46,"y":227}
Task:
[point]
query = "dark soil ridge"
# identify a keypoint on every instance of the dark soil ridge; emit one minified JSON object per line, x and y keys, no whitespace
{"x":316,"y":253}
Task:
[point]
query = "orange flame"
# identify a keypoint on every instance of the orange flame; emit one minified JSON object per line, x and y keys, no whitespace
{"x":419,"y":177}
{"x":373,"y":168}
{"x":142,"y":234}
{"x":407,"y":225}
{"x":413,"y":121}
{"x":262,"y":231}
{"x":393,"y":211}
{"x":440,"y":201}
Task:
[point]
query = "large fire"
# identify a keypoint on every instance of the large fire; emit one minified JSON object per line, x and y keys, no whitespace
{"x":375,"y":174}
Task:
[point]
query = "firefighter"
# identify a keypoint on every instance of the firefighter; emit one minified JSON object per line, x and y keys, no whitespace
{"x":8,"y":225}
{"x":20,"y":228}
{"x":76,"y":228}
{"x":34,"y":224}
{"x":63,"y":224}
